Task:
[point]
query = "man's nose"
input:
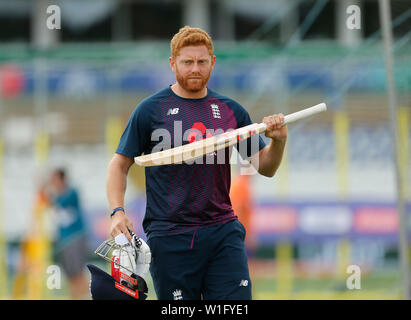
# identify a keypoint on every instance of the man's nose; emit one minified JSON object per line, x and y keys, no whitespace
{"x":196,"y":67}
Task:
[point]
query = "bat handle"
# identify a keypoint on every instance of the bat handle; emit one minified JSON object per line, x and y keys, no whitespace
{"x":301,"y":114}
{"x":305,"y":113}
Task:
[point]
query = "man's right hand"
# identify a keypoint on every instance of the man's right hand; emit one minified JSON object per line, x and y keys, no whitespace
{"x":120,"y":224}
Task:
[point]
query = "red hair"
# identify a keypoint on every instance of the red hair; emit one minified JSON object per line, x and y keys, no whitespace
{"x":188,"y":36}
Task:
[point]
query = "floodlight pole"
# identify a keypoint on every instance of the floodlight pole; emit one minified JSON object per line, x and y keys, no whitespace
{"x":385,"y":20}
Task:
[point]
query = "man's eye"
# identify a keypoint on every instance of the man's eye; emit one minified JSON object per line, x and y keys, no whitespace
{"x":187,"y":62}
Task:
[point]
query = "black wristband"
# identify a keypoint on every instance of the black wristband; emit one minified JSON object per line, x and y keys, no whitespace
{"x":117,"y":209}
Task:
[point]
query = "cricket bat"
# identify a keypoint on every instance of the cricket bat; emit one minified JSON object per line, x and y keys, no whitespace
{"x":197,"y":149}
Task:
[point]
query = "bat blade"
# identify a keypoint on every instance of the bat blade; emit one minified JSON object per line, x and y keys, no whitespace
{"x":197,"y":149}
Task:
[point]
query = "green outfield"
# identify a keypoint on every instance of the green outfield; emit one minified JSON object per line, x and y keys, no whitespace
{"x":375,"y":285}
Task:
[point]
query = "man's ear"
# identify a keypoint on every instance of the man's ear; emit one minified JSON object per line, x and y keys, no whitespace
{"x":172,"y":64}
{"x":213,"y":59}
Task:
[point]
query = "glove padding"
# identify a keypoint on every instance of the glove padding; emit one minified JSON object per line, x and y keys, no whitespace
{"x":124,"y":257}
{"x":143,"y":256}
{"x":135,"y":255}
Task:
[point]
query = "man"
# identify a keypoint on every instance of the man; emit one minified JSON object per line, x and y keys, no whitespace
{"x":70,"y":245}
{"x":196,"y":240}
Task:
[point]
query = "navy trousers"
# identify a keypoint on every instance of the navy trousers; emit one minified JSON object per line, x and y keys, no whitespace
{"x":208,"y":263}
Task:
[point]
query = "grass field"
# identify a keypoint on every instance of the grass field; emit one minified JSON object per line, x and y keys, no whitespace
{"x":305,"y":284}
{"x":299,"y":285}
{"x":376,"y":286}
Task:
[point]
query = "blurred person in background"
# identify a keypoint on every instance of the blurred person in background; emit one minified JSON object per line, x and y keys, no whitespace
{"x":71,"y":245}
{"x":242,"y":202}
{"x":34,"y":247}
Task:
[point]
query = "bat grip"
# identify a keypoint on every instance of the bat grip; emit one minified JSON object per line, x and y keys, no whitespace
{"x":301,"y":114}
{"x":305,"y":113}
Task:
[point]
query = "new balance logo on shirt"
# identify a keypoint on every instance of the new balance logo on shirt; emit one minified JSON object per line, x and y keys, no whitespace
{"x":172,"y":111}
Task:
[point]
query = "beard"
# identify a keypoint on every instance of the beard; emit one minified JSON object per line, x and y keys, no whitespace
{"x":192,"y":85}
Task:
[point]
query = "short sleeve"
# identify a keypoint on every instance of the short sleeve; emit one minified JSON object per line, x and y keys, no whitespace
{"x":135,"y":138}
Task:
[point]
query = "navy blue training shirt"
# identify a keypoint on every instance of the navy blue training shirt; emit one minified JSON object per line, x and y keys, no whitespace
{"x":183,"y":197}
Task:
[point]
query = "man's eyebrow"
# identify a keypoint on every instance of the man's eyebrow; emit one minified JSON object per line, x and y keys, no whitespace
{"x":189,"y":58}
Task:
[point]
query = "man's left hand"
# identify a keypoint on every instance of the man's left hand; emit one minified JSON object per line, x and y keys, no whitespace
{"x":275,"y":129}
